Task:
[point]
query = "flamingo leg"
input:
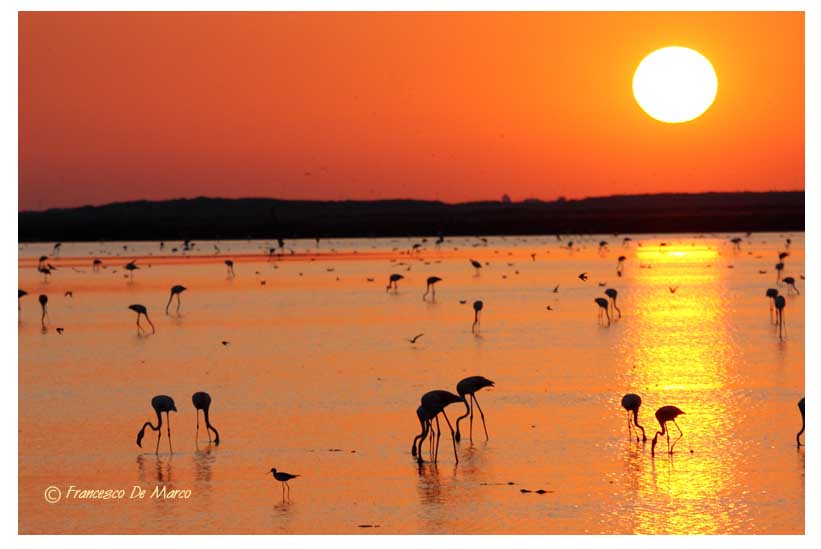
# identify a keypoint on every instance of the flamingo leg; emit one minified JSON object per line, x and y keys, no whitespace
{"x":636,"y":421}
{"x":681,"y":434}
{"x":452,"y":436}
{"x":482,"y":415}
{"x":159,"y":436}
{"x":471,"y":418}
{"x":629,"y":427}
{"x":198,"y":426}
{"x":438,"y":440}
{"x":178,"y":304}
{"x":168,"y":415}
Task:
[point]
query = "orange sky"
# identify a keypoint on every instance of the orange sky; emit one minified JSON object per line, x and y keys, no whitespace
{"x":447,"y":106}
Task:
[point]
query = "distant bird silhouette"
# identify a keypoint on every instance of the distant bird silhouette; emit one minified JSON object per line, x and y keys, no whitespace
{"x":663,"y":415}
{"x":771,"y":294}
{"x":583,"y":277}
{"x":612,"y":293}
{"x":478,"y":305}
{"x":533,"y":256}
{"x":131,"y":267}
{"x":620,"y":265}
{"x":141,"y":310}
{"x":790,"y":281}
{"x":433,"y":403}
{"x":59,"y":330}
{"x":96,"y":264}
{"x":788,"y":241}
{"x":783,"y":255}
{"x":283,"y":478}
{"x":160,"y":403}
{"x":393,"y":282}
{"x":68,"y":293}
{"x":780,"y":303}
{"x":736,"y":243}
{"x":175,"y":291}
{"x":476,"y":265}
{"x":556,"y":289}
{"x":43,"y":299}
{"x":626,"y":240}
{"x":602,"y":246}
{"x":202,"y":401}
{"x":604,"y":305}
{"x":779,"y":268}
{"x":431,"y":287}
{"x":801,"y":409}
{"x":414,"y":338}
{"x":56,"y":250}
{"x":549,"y":308}
{"x":672,"y":289}
{"x":20,"y":293}
{"x":230,"y":264}
{"x":631,"y":402}
{"x":468,"y":387}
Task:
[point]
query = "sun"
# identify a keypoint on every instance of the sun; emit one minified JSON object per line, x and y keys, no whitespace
{"x":675,"y":84}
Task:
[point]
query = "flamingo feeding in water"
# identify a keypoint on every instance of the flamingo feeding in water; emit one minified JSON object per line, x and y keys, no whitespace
{"x":790,"y":281}
{"x":230,"y":264}
{"x":780,"y":303}
{"x":131,"y":267}
{"x":20,"y":293}
{"x":432,"y":280}
{"x":469,"y":386}
{"x":476,"y":265}
{"x":801,"y":409}
{"x":631,"y":402}
{"x":160,"y":403}
{"x":96,"y":264}
{"x":478,"y":305}
{"x":604,"y":305}
{"x":202,"y":401}
{"x":393,"y":282}
{"x":779,"y":267}
{"x":620,"y":265}
{"x":141,"y":310}
{"x":612,"y":293}
{"x":771,"y":294}
{"x":663,"y":415}
{"x":175,"y":291}
{"x":43,"y":299}
{"x":433,"y":404}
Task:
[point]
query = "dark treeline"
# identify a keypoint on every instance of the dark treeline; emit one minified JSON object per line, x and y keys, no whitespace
{"x":217,"y":218}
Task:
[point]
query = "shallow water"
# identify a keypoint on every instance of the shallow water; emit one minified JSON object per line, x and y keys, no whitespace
{"x":318,"y":379}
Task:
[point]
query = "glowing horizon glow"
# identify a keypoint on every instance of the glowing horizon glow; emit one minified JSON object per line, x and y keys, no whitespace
{"x":675,"y":84}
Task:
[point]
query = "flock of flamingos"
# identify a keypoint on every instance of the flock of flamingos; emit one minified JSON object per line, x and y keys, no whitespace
{"x":433,"y":403}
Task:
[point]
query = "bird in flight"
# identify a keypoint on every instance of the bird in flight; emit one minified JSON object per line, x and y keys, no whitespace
{"x":60,"y":331}
{"x":549,"y":308}
{"x":414,"y":338}
{"x":583,"y":277}
{"x":673,"y":289}
{"x":225,"y":342}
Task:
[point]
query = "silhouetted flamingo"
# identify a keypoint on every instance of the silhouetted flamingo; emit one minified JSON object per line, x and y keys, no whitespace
{"x":771,"y":294}
{"x":434,"y":403}
{"x":141,"y":310}
{"x":432,"y":280}
{"x":779,"y":267}
{"x":43,"y":299}
{"x":478,"y":305}
{"x":663,"y":415}
{"x":230,"y":264}
{"x":612,"y":293}
{"x":801,"y":409}
{"x":631,"y":402}
{"x":604,"y":305}
{"x":283,"y":478}
{"x":202,"y":401}
{"x":95,"y":265}
{"x":620,"y":265}
{"x":392,"y":282}
{"x":780,"y":303}
{"x":469,"y":386}
{"x":783,"y":255}
{"x":476,"y":265}
{"x":790,"y":281}
{"x":160,"y":403}
{"x":175,"y":291}
{"x":131,"y":267}
{"x":737,"y":242}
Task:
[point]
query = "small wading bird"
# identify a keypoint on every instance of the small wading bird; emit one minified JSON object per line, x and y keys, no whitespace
{"x":432,"y":280}
{"x":283,"y":478}
{"x":780,"y":303}
{"x":160,"y":403}
{"x":800,"y":409}
{"x":620,"y":265}
{"x":790,"y":281}
{"x":202,"y":401}
{"x":771,"y":295}
{"x":393,"y":282}
{"x":141,"y":310}
{"x":613,"y":294}
{"x":131,"y":267}
{"x":230,"y":265}
{"x":175,"y":291}
{"x":663,"y":415}
{"x":468,"y":387}
{"x":476,"y":265}
{"x":433,"y":404}
{"x":604,"y":305}
{"x":478,"y":305}
{"x":632,"y":402}
{"x":43,"y":299}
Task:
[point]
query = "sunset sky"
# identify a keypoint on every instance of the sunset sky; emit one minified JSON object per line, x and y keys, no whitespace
{"x":447,"y":106}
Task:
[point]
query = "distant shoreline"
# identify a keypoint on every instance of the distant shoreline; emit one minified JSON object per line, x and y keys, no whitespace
{"x":260,"y":218}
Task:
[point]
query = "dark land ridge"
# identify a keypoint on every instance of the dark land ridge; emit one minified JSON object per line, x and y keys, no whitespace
{"x":265,"y":218}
